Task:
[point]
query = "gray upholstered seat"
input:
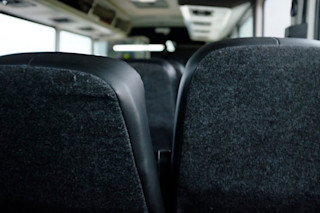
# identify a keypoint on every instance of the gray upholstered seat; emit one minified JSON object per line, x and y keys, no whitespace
{"x":248,"y":127}
{"x":179,"y":68}
{"x":161,"y":83}
{"x":74,"y":136}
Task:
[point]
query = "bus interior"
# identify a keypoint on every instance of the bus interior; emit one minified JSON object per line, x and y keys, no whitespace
{"x":159,"y":105}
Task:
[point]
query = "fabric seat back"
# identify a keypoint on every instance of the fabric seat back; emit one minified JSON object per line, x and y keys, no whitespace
{"x":161,"y":83}
{"x":248,"y":127}
{"x":74,"y":136}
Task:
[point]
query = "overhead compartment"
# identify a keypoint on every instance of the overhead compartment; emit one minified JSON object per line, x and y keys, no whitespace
{"x":82,"y":5}
{"x":98,"y":19}
{"x":105,"y":14}
{"x":211,"y":20}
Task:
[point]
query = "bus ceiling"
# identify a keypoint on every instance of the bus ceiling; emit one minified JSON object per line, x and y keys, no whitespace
{"x":203,"y":20}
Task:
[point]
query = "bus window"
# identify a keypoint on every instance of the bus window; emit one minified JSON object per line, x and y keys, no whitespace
{"x":75,"y":43}
{"x":246,"y":28}
{"x":100,"y":48}
{"x":22,"y":37}
{"x":276,"y":17}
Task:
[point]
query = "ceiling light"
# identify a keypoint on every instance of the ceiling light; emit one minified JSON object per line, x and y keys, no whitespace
{"x":138,"y":48}
{"x":170,"y":46}
{"x":144,"y":1}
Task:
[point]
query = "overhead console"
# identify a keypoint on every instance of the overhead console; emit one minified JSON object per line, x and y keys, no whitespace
{"x":98,"y":19}
{"x":208,"y":20}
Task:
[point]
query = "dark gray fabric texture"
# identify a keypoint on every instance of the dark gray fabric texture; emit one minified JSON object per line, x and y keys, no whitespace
{"x":160,"y":102}
{"x":64,"y":146}
{"x":251,"y":132}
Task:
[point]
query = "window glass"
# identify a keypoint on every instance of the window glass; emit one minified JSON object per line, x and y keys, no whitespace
{"x":246,"y":29}
{"x":276,"y":17}
{"x":234,"y":33}
{"x":75,"y":43}
{"x":100,"y":48}
{"x":18,"y":35}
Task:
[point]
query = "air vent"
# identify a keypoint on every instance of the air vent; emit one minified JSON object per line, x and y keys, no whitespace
{"x":122,"y":24}
{"x":201,"y":12}
{"x":62,"y":20}
{"x":88,"y":29}
{"x":16,"y":3}
{"x":201,"y":31}
{"x":104,"y":35}
{"x":201,"y":38}
{"x":150,"y":4}
{"x":105,"y":14}
{"x":82,"y":5}
{"x":199,"y":23}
